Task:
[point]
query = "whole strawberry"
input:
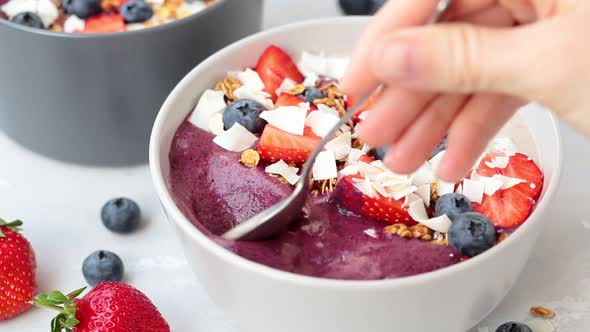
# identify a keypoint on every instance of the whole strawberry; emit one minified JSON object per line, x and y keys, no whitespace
{"x":17,"y":271}
{"x":108,"y":307}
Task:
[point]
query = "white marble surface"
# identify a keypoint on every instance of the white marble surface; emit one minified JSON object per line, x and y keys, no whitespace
{"x":60,"y":204}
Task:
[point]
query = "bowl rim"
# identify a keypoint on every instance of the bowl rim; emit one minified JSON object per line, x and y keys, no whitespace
{"x":177,"y":217}
{"x":114,"y":35}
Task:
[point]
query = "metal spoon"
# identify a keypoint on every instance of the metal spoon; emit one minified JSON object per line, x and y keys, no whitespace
{"x":278,"y":217}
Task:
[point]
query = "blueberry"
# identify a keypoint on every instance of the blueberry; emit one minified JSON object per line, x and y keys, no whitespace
{"x":245,"y":112}
{"x":376,"y":5}
{"x":28,"y":19}
{"x":472,"y":233}
{"x":452,"y":205}
{"x":310,"y":94}
{"x":81,"y":8}
{"x":102,"y":266}
{"x":381,"y":151}
{"x":514,"y":327}
{"x":136,"y":11}
{"x":121,"y":215}
{"x":440,"y":147}
{"x":356,"y":7}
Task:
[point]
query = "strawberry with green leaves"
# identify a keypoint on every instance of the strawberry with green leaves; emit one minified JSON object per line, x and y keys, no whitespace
{"x":17,"y":270}
{"x":108,"y":307}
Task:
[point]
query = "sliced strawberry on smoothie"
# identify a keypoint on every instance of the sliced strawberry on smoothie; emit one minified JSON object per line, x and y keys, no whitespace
{"x":274,"y":66}
{"x":104,"y":23}
{"x":286,"y":99}
{"x":510,"y":207}
{"x":377,"y":207}
{"x":371,"y":101}
{"x":276,"y":144}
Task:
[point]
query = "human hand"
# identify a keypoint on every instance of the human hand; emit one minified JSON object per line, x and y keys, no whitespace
{"x":467,"y":77}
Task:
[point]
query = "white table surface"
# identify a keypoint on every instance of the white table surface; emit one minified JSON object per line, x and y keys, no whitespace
{"x":60,"y":204}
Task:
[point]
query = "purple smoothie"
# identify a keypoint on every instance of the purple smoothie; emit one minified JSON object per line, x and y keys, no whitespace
{"x":216,"y":192}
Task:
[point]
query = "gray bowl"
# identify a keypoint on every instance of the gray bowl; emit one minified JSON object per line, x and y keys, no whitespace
{"x":92,"y":99}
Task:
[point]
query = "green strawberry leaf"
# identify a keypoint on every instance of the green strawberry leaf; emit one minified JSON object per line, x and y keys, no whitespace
{"x":76,"y":293}
{"x":57,"y":297}
{"x":71,"y":322}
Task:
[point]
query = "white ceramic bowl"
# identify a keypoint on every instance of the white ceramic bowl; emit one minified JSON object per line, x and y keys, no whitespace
{"x":262,"y":299}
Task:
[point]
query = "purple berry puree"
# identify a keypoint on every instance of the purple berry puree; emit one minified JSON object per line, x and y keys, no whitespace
{"x":216,"y":192}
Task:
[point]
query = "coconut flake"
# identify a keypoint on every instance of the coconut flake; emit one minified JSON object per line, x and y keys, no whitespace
{"x":418,"y":212}
{"x":501,"y":144}
{"x":15,"y":7}
{"x":459,"y":189}
{"x":364,"y":186}
{"x":371,"y":232}
{"x":443,"y":187}
{"x":473,"y":190}
{"x":74,"y":24}
{"x":402,"y":193}
{"x":366,"y":148}
{"x":311,"y":79}
{"x":319,"y":64}
{"x":423,"y":192}
{"x":283,"y":169}
{"x":539,"y":325}
{"x":363,"y":116}
{"x":211,"y":102}
{"x":498,"y":162}
{"x":424,"y":175}
{"x":287,"y":118}
{"x":353,"y":156}
{"x":508,"y":182}
{"x":349,"y":170}
{"x":216,"y":123}
{"x":47,"y":11}
{"x":247,"y":92}
{"x":251,"y":79}
{"x":286,"y":86}
{"x":328,"y":109}
{"x":237,"y":138}
{"x":435,"y":161}
{"x":410,"y":199}
{"x":324,"y":167}
{"x":340,"y":146}
{"x":321,"y":122}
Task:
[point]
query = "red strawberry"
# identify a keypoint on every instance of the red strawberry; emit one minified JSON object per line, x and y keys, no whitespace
{"x":366,"y":159}
{"x":274,"y":66}
{"x":511,"y":207}
{"x":351,"y":100}
{"x":17,"y":271}
{"x":109,"y":307}
{"x":286,"y":99}
{"x":276,"y":144}
{"x":104,"y":23}
{"x":380,"y":208}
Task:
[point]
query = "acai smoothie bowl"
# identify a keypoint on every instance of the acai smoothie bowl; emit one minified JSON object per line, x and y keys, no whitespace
{"x":371,"y":249}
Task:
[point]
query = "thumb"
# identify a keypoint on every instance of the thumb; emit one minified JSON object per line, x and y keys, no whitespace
{"x":466,"y":58}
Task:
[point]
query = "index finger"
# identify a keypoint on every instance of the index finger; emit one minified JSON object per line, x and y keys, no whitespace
{"x":359,"y":80}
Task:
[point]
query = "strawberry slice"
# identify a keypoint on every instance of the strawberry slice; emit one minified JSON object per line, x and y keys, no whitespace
{"x":274,"y":66}
{"x":286,"y":99}
{"x":104,"y":23}
{"x":511,"y":207}
{"x":276,"y":144}
{"x":371,"y":101}
{"x":366,"y":159}
{"x":378,"y":207}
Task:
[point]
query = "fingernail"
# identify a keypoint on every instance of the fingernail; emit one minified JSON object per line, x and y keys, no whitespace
{"x":394,"y":61}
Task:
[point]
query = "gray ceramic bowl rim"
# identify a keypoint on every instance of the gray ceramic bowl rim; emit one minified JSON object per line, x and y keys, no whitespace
{"x":124,"y":34}
{"x":177,"y":217}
